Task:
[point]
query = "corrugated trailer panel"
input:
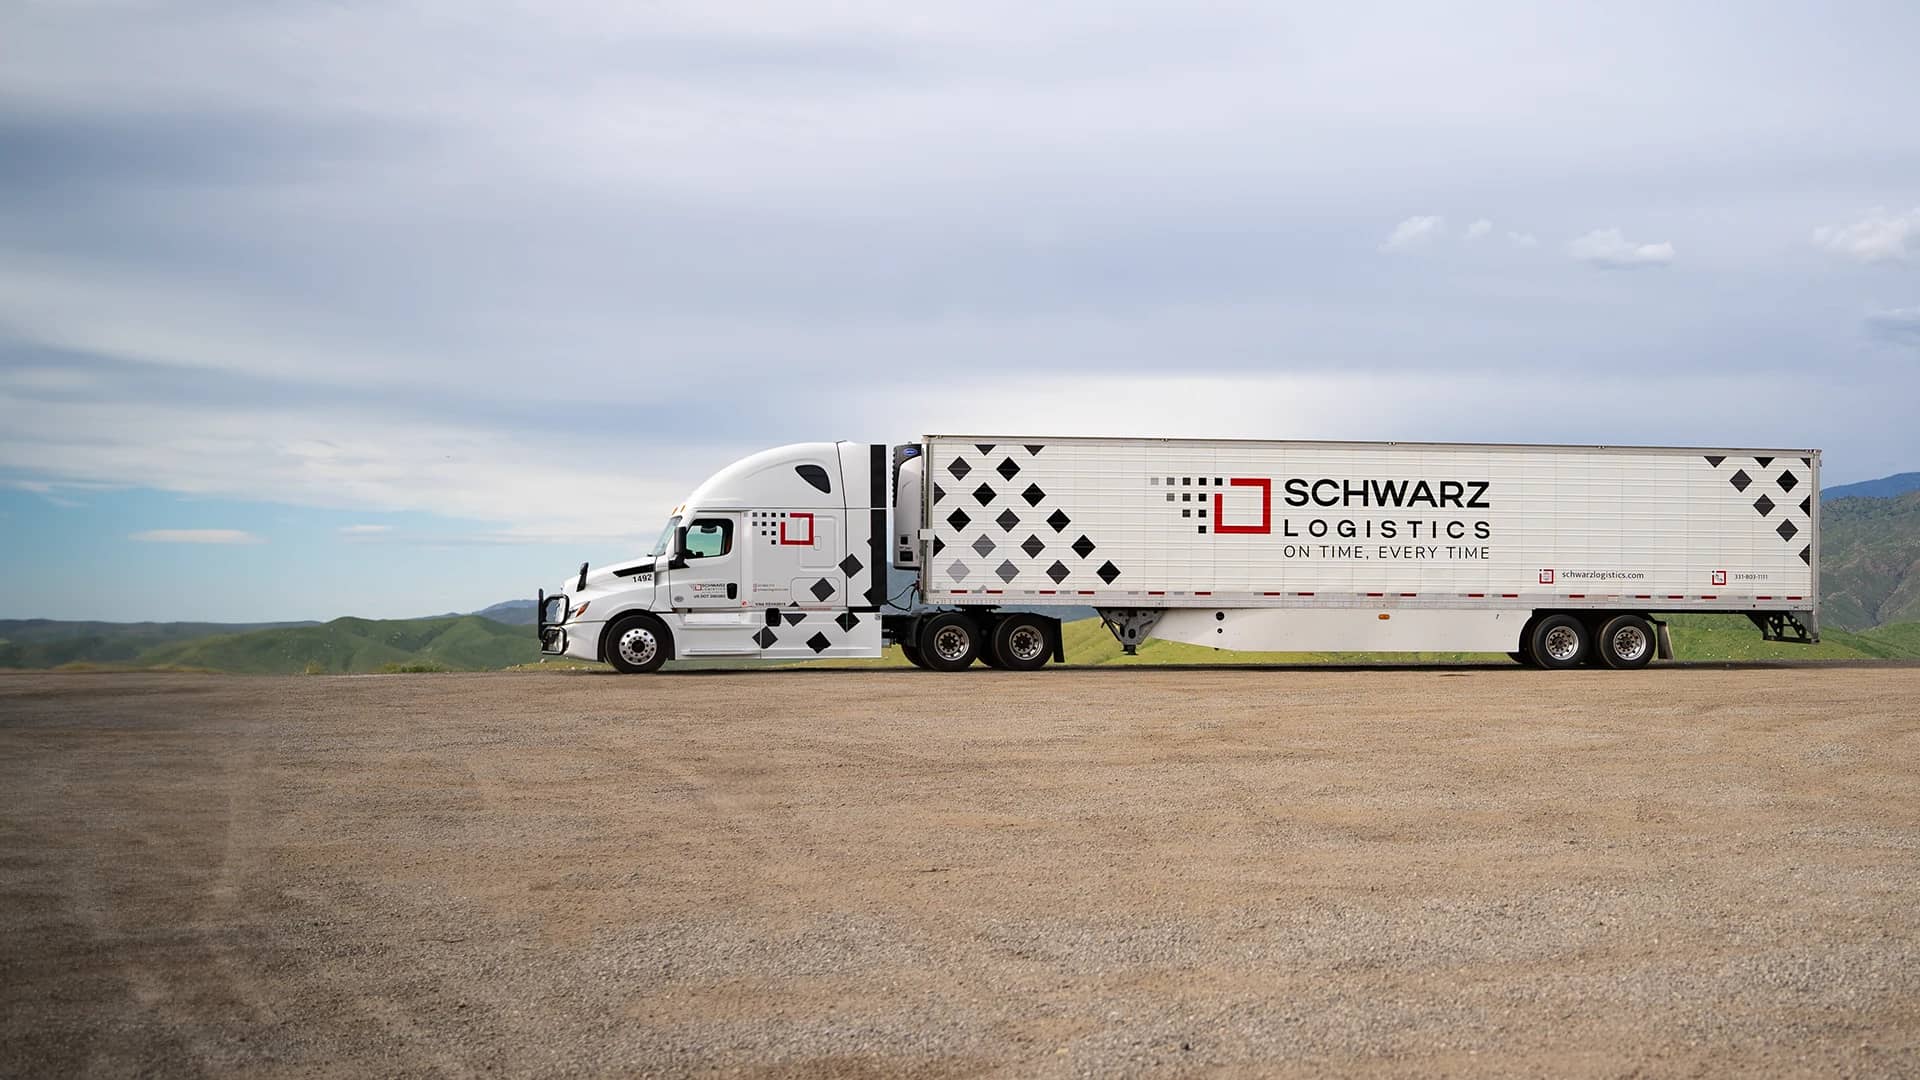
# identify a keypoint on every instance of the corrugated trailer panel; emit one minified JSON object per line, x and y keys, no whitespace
{"x":1170,"y":523}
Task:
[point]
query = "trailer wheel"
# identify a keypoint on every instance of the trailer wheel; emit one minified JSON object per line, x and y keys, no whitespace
{"x":637,"y":644}
{"x":1559,"y":642}
{"x":912,"y":653}
{"x":1626,"y":643}
{"x":1022,"y":643}
{"x":949,"y":641}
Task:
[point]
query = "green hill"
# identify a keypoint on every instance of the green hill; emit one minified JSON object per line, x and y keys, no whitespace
{"x":45,"y":643}
{"x":1870,"y":561}
{"x":355,"y":646}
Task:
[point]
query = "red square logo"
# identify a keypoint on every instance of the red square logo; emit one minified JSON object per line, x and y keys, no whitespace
{"x":1546,"y":577}
{"x":1719,"y":577}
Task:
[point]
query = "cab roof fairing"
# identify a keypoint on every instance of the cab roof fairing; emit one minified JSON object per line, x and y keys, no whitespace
{"x":768,"y":480}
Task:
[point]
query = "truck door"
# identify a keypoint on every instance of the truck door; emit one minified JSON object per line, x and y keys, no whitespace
{"x":706,"y":582}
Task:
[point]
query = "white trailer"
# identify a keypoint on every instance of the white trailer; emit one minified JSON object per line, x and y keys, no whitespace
{"x":1555,"y":555}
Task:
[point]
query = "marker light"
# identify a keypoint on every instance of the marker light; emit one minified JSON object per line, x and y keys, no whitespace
{"x":581,"y":610}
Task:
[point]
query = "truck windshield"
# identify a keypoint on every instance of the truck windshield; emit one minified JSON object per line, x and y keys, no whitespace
{"x":661,"y":545}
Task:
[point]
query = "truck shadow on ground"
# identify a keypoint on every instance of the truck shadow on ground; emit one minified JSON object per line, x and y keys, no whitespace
{"x":1672,"y":667}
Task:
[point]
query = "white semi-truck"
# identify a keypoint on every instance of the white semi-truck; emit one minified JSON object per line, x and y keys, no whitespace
{"x":1555,"y":555}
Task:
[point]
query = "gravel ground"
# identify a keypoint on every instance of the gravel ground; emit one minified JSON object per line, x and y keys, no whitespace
{"x":1466,"y":871}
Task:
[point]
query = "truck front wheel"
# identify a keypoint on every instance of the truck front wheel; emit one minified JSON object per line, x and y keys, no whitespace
{"x":949,"y":641}
{"x":1021,"y":643}
{"x":638,"y":644}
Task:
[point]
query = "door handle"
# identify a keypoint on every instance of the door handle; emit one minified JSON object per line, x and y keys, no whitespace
{"x":733,"y":591}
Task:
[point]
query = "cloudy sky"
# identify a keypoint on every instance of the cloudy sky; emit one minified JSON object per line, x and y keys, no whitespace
{"x":392,"y":308}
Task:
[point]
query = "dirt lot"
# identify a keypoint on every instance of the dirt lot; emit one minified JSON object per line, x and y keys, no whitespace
{"x":1458,"y":871}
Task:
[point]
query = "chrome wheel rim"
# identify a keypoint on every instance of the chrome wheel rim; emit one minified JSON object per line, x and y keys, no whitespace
{"x":950,"y":643}
{"x":1025,"y":643}
{"x":1562,"y":643}
{"x":1629,"y":643}
{"x":637,"y":646}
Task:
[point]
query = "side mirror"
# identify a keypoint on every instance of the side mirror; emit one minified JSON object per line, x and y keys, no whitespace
{"x":680,"y":541}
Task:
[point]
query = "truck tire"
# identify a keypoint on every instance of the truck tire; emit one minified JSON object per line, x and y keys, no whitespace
{"x":637,"y":644}
{"x":1559,"y":642}
{"x":912,"y":652}
{"x":1626,"y":643}
{"x":949,"y":641}
{"x":1022,"y":643}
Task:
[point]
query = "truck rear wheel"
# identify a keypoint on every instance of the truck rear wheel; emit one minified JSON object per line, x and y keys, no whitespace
{"x":1559,"y":642}
{"x":1022,"y":643}
{"x":912,"y":652}
{"x":949,"y":641}
{"x":638,"y":644}
{"x":1625,"y":643}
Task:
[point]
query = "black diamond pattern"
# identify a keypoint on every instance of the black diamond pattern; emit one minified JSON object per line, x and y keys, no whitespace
{"x":795,"y":618}
{"x":847,"y":620}
{"x":1787,"y":530}
{"x":1108,"y":572}
{"x":1763,"y":462}
{"x":1007,"y":469}
{"x":1806,"y":505}
{"x":1740,"y":480}
{"x":822,"y":589}
{"x":1714,"y":461}
{"x":959,"y":468}
{"x":1035,"y":448}
{"x":983,"y":547}
{"x":1006,"y":570}
{"x":1008,"y":519}
{"x":818,"y":642}
{"x":958,"y":519}
{"x":1788,"y":481}
{"x":1083,"y":547}
{"x":958,"y":571}
{"x":984,"y":447}
{"x":1806,"y":554}
{"x":939,"y":493}
{"x":1059,"y":520}
{"x":1033,"y":494}
{"x":1032,"y":546}
{"x":1057,"y":572}
{"x":765,"y":638}
{"x":1764,"y":505}
{"x":983,"y":494}
{"x":851,"y":565}
{"x":939,"y":545}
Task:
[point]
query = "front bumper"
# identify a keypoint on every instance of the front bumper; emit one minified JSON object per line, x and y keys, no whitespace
{"x":552,"y":632}
{"x":563,"y":635}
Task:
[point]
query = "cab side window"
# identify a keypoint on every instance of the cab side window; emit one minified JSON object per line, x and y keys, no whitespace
{"x":709,"y":538}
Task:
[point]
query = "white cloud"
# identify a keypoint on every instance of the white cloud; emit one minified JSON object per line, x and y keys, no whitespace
{"x":1608,"y":248}
{"x":1523,"y":240}
{"x":1900,"y":326}
{"x":1478,"y":229}
{"x":364,"y":530}
{"x":1879,"y":237}
{"x":195,"y":536}
{"x":1415,"y":232}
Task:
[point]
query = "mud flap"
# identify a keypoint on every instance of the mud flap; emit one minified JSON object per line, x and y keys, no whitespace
{"x":1663,"y":641}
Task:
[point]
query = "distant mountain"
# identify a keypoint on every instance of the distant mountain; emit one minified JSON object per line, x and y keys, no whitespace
{"x":511,"y":612}
{"x":1869,"y":561}
{"x":1887,"y":487}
